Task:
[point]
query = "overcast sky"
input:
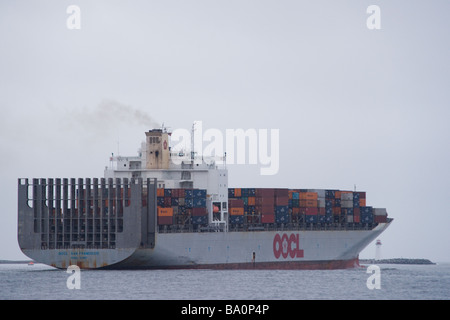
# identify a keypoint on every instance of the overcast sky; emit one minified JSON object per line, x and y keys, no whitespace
{"x":353,"y":106}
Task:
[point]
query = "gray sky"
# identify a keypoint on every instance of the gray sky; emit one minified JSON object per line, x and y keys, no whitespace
{"x":354,"y":106}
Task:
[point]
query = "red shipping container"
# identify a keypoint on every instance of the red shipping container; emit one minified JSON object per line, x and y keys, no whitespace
{"x":264,"y":193}
{"x":362,"y":195}
{"x":322,"y":211}
{"x":282,"y":201}
{"x":236,"y":203}
{"x":311,"y":211}
{"x":356,"y":218}
{"x":265,"y":201}
{"x":165,"y":220}
{"x":268,"y":218}
{"x":199,"y":212}
{"x":281,"y":192}
{"x":264,"y":209}
{"x":380,"y":219}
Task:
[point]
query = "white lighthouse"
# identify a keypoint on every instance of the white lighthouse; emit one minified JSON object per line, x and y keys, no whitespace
{"x":378,"y":250}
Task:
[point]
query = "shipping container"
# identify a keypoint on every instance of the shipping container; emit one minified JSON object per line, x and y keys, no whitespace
{"x":189,"y":193}
{"x":308,"y":196}
{"x":267,"y":218}
{"x":362,"y":202}
{"x":165,"y":220}
{"x":237,"y":219}
{"x":199,"y":220}
{"x":379,"y":212}
{"x":347,"y":203}
{"x":189,"y":202}
{"x":199,"y":211}
{"x":308,"y":203}
{"x":264,"y":193}
{"x":160,"y":192}
{"x":236,"y":211}
{"x":346,"y":195}
{"x":165,"y":212}
{"x":167,"y":193}
{"x":281,"y":209}
{"x":311,"y":210}
{"x":265,"y":201}
{"x":251,"y":200}
{"x":235,"y":203}
{"x":329,"y":194}
{"x":281,"y":200}
{"x":282,"y":217}
{"x":237,"y":192}
{"x":311,"y":218}
{"x":380,"y":218}
{"x":199,"y":202}
{"x":264,"y":209}
{"x":366,"y":210}
{"x":281,"y":193}
{"x":321,"y":203}
{"x":366,"y":218}
{"x":337,"y":202}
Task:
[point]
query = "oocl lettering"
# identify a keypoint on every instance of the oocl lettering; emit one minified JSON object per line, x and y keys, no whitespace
{"x":287,"y":246}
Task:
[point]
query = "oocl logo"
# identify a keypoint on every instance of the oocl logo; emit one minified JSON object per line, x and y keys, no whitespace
{"x":287,"y":246}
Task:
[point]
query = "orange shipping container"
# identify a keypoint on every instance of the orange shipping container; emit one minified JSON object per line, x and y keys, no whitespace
{"x":251,"y":201}
{"x":308,"y":203}
{"x":362,"y":202}
{"x":337,"y":194}
{"x":165,"y":212}
{"x":160,"y":192}
{"x":237,"y":192}
{"x":308,"y":196}
{"x":237,"y":211}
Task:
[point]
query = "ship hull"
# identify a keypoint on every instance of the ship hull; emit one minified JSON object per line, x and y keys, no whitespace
{"x":254,"y":250}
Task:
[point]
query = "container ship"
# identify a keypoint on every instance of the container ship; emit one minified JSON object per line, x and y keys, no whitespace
{"x":152,"y":212}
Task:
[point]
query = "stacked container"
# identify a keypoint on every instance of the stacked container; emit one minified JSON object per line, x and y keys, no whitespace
{"x":281,"y":205}
{"x":176,"y":206}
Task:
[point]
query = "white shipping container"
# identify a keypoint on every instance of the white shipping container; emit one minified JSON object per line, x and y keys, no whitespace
{"x":321,"y":202}
{"x":347,"y":196}
{"x":346,"y":203}
{"x":349,"y":218}
{"x":379,"y":211}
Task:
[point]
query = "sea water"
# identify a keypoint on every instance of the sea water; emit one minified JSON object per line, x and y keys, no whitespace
{"x":409,"y":282}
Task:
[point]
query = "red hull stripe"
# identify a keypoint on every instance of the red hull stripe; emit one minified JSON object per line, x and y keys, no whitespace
{"x":285,"y":265}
